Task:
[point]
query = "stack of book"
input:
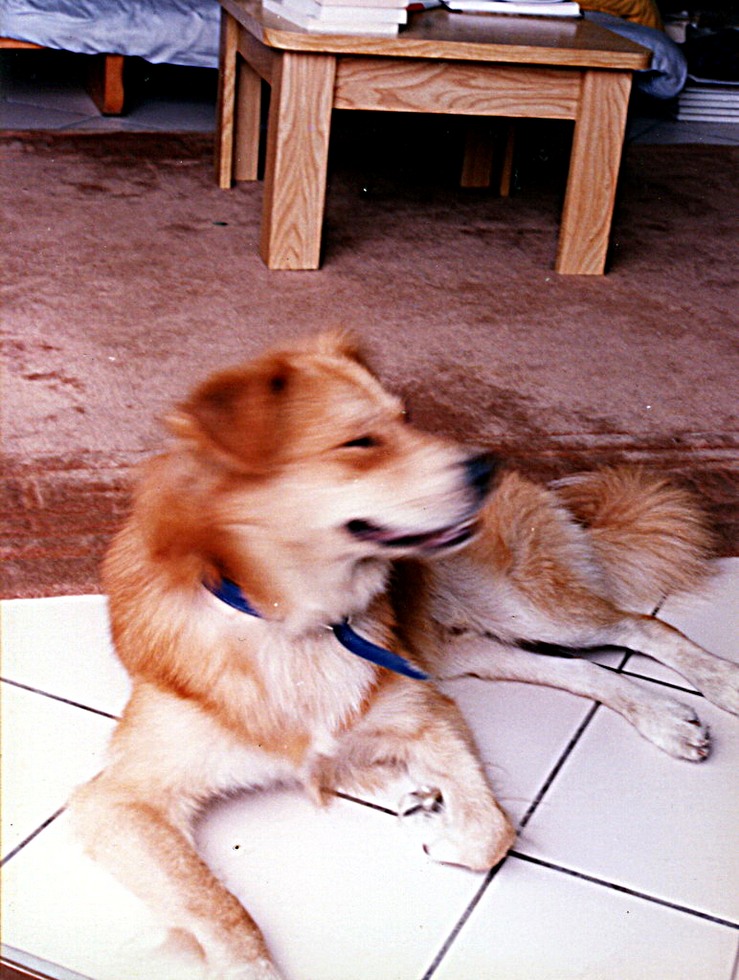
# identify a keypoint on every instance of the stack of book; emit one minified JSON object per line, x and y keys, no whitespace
{"x":342,"y":16}
{"x":530,"y":8}
{"x":706,"y":100}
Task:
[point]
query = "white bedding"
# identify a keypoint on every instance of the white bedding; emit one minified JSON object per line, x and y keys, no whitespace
{"x":178,"y":32}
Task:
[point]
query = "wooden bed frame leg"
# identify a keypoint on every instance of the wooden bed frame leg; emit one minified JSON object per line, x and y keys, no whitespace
{"x":105,"y":83}
{"x":104,"y":79}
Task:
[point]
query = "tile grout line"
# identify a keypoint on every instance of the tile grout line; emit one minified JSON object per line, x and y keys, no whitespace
{"x":569,"y":748}
{"x":654,"y":680}
{"x":493,"y":872}
{"x":567,"y":751}
{"x":372,"y":806}
{"x":624,"y":889}
{"x":32,"y":835}
{"x":462,"y":921}
{"x":58,"y":697}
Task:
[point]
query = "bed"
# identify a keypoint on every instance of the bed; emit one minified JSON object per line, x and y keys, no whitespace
{"x":177,"y":32}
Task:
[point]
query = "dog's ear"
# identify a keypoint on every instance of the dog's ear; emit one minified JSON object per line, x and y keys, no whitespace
{"x":238,"y":413}
{"x":340,"y":342}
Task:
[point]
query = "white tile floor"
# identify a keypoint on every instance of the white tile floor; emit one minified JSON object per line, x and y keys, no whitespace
{"x":44,"y":90}
{"x":626,"y":867}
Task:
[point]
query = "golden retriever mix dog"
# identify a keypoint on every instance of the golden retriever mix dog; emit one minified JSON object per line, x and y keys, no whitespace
{"x":274,"y":599}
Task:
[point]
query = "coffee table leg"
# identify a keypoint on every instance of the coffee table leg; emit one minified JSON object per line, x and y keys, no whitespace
{"x":247,"y":122}
{"x":594,"y":165}
{"x":226,"y":97}
{"x":480,"y":148}
{"x":297,"y":156}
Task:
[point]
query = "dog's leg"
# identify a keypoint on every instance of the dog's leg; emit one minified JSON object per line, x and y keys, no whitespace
{"x":670,"y":724}
{"x":147,"y":851}
{"x":717,"y":679}
{"x":423,"y":732}
{"x":167,"y":759}
{"x":472,"y":829}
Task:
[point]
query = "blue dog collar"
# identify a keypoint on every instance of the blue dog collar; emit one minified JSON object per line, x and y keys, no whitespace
{"x":230,"y":593}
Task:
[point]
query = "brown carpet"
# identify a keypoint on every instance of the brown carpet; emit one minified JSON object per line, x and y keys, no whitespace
{"x":128,"y":275}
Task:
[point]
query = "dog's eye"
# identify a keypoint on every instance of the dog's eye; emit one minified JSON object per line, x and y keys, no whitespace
{"x":363,"y":442}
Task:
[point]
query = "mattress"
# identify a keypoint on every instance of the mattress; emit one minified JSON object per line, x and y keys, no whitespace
{"x":178,"y":32}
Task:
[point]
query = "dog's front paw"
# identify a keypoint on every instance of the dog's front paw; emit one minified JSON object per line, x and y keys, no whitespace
{"x":478,"y":848}
{"x":421,"y":805}
{"x":468,"y":854}
{"x":477,"y":841}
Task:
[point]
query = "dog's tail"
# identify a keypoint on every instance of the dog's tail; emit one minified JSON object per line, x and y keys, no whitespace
{"x":649,"y":536}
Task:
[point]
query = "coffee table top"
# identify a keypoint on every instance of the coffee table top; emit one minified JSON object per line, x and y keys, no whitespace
{"x":576,"y":43}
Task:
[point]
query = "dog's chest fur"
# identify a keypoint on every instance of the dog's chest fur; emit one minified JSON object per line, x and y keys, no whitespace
{"x":291,"y":696}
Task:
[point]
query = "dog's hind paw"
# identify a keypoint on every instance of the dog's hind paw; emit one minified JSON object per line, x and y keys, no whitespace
{"x":718,"y":682}
{"x":676,"y":729}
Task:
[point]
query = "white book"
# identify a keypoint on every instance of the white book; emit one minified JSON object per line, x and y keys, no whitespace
{"x":720,"y":82}
{"x":706,"y":117}
{"x":338,"y":5}
{"x":350,"y":15}
{"x":697,"y":100}
{"x":531,"y":8}
{"x":333,"y":26}
{"x":709,"y":95}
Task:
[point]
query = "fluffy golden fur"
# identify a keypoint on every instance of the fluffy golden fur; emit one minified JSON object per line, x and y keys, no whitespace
{"x":298,"y":477}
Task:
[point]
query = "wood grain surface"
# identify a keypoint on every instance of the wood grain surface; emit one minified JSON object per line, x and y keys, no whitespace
{"x":418,"y":85}
{"x":297,"y":156}
{"x":594,"y":166}
{"x":441,"y":34}
{"x":510,"y":67}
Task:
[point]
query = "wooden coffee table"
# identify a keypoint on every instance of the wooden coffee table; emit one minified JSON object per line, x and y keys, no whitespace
{"x":443,"y":63}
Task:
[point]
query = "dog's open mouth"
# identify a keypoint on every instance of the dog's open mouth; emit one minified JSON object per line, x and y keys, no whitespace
{"x":445,"y":537}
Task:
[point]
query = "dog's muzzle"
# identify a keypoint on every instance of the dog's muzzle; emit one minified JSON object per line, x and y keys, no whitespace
{"x":443,"y":537}
{"x":479,"y":471}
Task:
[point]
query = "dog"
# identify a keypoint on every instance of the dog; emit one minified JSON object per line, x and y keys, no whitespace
{"x":301,"y":565}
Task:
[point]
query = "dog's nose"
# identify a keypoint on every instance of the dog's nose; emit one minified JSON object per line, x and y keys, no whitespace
{"x":479,"y":471}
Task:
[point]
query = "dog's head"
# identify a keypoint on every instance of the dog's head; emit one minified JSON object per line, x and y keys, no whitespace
{"x":310,"y":458}
{"x":313,"y":441}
